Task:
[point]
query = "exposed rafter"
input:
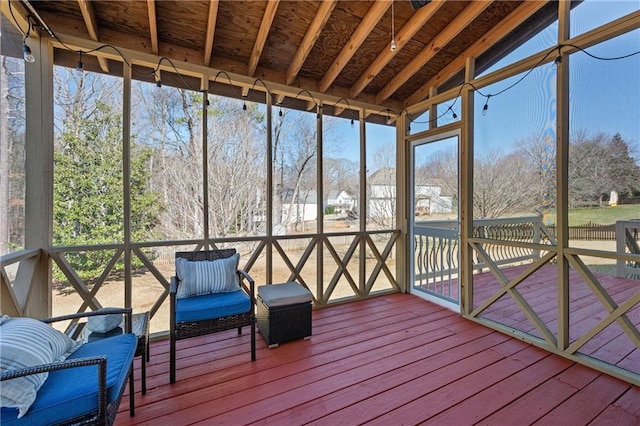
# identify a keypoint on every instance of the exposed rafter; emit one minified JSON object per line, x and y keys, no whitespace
{"x":213,"y":33}
{"x":497,"y":33}
{"x":153,"y":26}
{"x":310,"y":38}
{"x":92,"y":28}
{"x":413,"y":25}
{"x":211,"y":29}
{"x":16,"y":12}
{"x":468,"y":15}
{"x":367,"y":25}
{"x":263,"y":33}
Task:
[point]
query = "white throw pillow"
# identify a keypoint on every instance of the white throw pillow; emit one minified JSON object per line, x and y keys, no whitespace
{"x":207,"y":276}
{"x":104,"y":323}
{"x":24,"y":343}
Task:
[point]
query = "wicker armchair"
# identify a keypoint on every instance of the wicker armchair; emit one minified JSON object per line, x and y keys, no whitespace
{"x":74,"y":394}
{"x":213,"y":321}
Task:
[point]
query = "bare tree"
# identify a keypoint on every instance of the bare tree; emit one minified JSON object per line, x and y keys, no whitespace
{"x":169,"y":120}
{"x":12,"y":160}
{"x":381,"y":188}
{"x":301,"y":149}
{"x":237,"y":165}
{"x":540,"y":152}
{"x":502,"y":185}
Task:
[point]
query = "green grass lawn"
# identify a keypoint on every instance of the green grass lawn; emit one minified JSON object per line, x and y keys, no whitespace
{"x":603,"y":215}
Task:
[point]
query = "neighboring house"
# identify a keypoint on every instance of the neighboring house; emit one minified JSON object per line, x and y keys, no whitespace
{"x":341,"y":201}
{"x":429,"y":200}
{"x":300,"y":207}
{"x":382,"y":196}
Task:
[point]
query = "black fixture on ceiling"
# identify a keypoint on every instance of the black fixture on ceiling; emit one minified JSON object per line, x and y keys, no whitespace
{"x":417,"y":4}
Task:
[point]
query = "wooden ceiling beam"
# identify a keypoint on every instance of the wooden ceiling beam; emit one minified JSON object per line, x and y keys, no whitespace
{"x":89,"y":17}
{"x":153,"y":26}
{"x":310,"y":38}
{"x":413,"y":25}
{"x":358,"y":37}
{"x":211,"y":29}
{"x":497,"y":33}
{"x":263,"y":33}
{"x":19,"y":17}
{"x":466,"y":17}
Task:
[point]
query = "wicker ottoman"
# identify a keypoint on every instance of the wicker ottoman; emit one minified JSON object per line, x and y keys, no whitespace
{"x":284,"y":313}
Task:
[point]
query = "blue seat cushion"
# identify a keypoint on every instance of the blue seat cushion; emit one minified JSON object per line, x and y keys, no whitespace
{"x":212,"y":306}
{"x":73,"y":392}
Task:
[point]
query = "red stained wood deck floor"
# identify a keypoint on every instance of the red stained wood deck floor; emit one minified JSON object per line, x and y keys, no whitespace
{"x":389,"y":360}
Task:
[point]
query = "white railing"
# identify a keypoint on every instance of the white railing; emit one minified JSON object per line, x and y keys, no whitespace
{"x":627,"y":236}
{"x":436,"y":249}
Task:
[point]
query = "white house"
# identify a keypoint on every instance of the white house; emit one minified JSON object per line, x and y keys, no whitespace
{"x":382,"y":196}
{"x":341,"y":201}
{"x":299,"y":207}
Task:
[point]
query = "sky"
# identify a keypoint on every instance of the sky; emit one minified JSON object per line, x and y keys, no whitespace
{"x":604,"y":94}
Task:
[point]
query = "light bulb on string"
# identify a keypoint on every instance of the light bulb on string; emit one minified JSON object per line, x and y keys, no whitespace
{"x":26,"y":52}
{"x":393,"y":29}
{"x":244,"y":103}
{"x":557,"y":62}
{"x":352,"y":123}
{"x":485,"y":108}
{"x":80,"y":66}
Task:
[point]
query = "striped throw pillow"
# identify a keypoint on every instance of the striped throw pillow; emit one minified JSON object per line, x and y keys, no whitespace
{"x":24,"y":343}
{"x":207,"y":276}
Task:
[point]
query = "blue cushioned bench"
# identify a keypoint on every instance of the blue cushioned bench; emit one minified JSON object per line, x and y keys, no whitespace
{"x":86,"y":388}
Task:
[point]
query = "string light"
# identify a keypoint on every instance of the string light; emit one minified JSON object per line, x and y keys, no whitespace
{"x":244,"y":103}
{"x":485,"y":108}
{"x":29,"y":57}
{"x":393,"y":28}
{"x":348,"y":107}
{"x":558,"y":60}
{"x":26,"y":52}
{"x":80,"y":66}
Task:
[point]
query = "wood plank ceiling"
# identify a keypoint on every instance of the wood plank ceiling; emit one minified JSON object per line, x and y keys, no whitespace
{"x":341,"y":48}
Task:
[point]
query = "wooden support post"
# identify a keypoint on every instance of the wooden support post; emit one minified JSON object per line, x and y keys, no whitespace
{"x":319,"y":212}
{"x":562,"y":202}
{"x":204,"y":85}
{"x":269,"y":207}
{"x":466,"y":192}
{"x":39,"y":175}
{"x":363,"y":205}
{"x":126,"y":181}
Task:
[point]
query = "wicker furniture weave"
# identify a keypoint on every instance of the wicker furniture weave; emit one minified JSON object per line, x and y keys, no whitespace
{"x":140,"y":327}
{"x":104,"y":413}
{"x":279,"y":323}
{"x":185,"y":330}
